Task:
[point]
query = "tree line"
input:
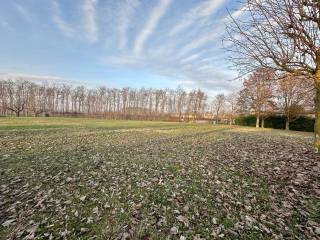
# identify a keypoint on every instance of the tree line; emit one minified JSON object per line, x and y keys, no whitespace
{"x":22,"y":97}
{"x":263,"y":94}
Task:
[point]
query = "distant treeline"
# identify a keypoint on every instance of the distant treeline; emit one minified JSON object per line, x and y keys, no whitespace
{"x":25,"y":98}
{"x":275,"y":104}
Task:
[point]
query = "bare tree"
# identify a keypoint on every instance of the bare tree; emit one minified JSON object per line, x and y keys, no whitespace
{"x":37,"y":99}
{"x":200,"y":103}
{"x":18,"y":96}
{"x":24,"y":97}
{"x":217,"y":105}
{"x":3,"y":97}
{"x":282,"y":35}
{"x":257,"y":93}
{"x":293,"y":93}
{"x":181,"y":101}
{"x":232,"y":100}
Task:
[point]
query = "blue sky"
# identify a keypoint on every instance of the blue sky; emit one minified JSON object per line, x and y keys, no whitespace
{"x":117,"y":43}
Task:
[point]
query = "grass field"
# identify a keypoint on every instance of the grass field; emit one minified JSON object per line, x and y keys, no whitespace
{"x":67,"y":178}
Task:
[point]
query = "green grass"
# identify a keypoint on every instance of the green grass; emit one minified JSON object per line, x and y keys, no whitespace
{"x":104,"y":179}
{"x":14,"y":123}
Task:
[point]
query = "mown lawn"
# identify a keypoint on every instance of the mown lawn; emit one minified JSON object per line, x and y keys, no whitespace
{"x":68,"y":178}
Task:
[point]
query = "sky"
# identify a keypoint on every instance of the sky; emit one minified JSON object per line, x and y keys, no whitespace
{"x":119,"y":43}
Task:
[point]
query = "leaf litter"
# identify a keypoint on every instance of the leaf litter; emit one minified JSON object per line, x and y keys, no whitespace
{"x":190,"y":182}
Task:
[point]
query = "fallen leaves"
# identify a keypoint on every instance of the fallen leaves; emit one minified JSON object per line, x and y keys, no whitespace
{"x":8,"y":222}
{"x":174,"y":231}
{"x":184,"y":220}
{"x":197,"y":182}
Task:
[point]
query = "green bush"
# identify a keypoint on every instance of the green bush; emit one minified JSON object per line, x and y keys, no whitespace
{"x":246,"y":121}
{"x":303,"y":124}
{"x":278,"y":122}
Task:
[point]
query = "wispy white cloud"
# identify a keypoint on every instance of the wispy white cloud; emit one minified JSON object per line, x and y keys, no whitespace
{"x":90,"y":25}
{"x":32,"y":77}
{"x":59,"y":21}
{"x":190,"y":58}
{"x":37,"y":78}
{"x":201,"y":40}
{"x":124,"y":19}
{"x":4,"y":24}
{"x":194,"y":61}
{"x":23,"y":11}
{"x":212,"y":36}
{"x":187,"y":50}
{"x":240,"y":12}
{"x":203,"y":10}
{"x":192,"y":72}
{"x":152,"y":23}
{"x":212,"y":86}
{"x":123,"y":60}
{"x":63,"y":26}
{"x":88,"y":9}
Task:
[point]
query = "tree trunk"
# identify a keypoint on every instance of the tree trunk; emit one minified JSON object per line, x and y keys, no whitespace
{"x":287,"y":124}
{"x":217,"y":118}
{"x":258,"y":121}
{"x":262,"y":122}
{"x":317,"y":113}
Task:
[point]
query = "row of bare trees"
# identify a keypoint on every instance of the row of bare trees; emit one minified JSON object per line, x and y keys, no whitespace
{"x":289,"y":95}
{"x":30,"y":99}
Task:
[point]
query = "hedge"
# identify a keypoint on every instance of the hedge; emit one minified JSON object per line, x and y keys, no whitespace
{"x":278,"y":122}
